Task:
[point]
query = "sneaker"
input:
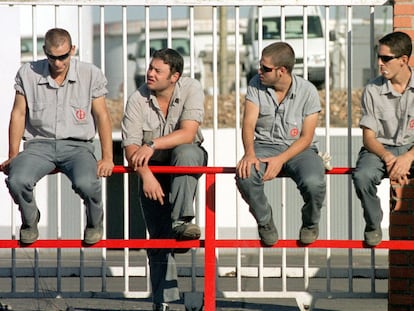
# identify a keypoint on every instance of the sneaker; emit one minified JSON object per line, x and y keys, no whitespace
{"x":93,"y":235}
{"x":30,"y":233}
{"x":373,"y":237}
{"x":308,"y":235}
{"x":268,"y":233}
{"x":160,"y":307}
{"x":186,"y":230}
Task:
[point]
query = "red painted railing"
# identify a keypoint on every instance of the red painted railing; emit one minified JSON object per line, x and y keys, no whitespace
{"x":210,"y":243}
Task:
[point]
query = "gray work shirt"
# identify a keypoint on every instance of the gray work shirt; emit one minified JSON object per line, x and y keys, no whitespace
{"x":60,"y":111}
{"x":281,"y":123}
{"x":388,"y":113}
{"x":144,"y":121}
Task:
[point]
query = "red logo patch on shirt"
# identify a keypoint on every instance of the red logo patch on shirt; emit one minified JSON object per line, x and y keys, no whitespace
{"x":411,"y":124}
{"x":294,"y":132}
{"x":80,"y":114}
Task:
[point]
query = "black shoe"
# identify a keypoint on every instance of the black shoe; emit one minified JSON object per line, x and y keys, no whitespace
{"x":308,"y":235}
{"x":373,"y":237}
{"x":93,"y":235}
{"x":186,"y":230}
{"x":160,"y":307}
{"x":268,"y":233}
{"x":30,"y":233}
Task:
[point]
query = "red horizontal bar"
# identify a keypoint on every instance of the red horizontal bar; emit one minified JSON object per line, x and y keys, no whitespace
{"x":209,"y":170}
{"x":180,"y":169}
{"x":170,"y":243}
{"x":119,"y":169}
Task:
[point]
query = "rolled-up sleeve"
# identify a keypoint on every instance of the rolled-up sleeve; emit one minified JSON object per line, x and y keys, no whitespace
{"x":132,"y":122}
{"x":193,"y":101}
{"x":368,"y":118}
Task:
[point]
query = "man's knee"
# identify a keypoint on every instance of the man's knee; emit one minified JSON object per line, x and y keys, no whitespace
{"x":16,"y":183}
{"x":314,"y":184}
{"x":363,"y":177}
{"x":188,"y":154}
{"x":87,"y":187}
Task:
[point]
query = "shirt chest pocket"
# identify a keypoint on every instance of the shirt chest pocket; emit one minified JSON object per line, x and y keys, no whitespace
{"x":293,"y":127}
{"x":410,"y":120}
{"x":388,"y":123}
{"x":266,"y":117}
{"x":151,"y":129}
{"x":41,"y":113}
{"x":80,"y":111}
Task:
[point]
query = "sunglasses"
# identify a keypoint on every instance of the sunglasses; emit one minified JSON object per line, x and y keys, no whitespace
{"x":387,"y":58}
{"x":263,"y":68}
{"x":59,"y":57}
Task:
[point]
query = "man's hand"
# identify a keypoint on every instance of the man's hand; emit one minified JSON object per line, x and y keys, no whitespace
{"x":244,"y":166}
{"x":152,"y":188}
{"x":4,"y":167}
{"x":104,"y":168}
{"x":398,"y":168}
{"x":273,"y":168}
{"x":141,"y":157}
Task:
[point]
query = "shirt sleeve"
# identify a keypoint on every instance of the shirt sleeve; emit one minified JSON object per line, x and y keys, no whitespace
{"x":133,"y":121}
{"x":99,"y":83}
{"x":252,"y":93}
{"x":193,"y":108}
{"x":18,"y":86}
{"x":368,"y":119}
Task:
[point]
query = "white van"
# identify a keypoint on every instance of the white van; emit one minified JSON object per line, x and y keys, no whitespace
{"x":180,"y":41}
{"x":271,"y":26}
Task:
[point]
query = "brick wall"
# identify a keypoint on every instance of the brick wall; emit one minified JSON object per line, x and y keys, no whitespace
{"x":401,"y":263}
{"x":404,"y":18}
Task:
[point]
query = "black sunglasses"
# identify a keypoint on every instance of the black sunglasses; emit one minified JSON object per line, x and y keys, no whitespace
{"x":263,"y":68}
{"x":387,"y":58}
{"x":59,"y":57}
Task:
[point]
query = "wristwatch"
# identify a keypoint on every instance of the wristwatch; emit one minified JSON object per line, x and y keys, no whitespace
{"x":151,"y":144}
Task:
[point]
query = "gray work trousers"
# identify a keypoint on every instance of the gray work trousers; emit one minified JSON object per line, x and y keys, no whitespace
{"x":179,"y":190}
{"x":307,"y":171}
{"x":75,"y":159}
{"x":370,"y":170}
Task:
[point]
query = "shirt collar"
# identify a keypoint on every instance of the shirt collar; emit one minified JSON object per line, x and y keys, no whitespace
{"x":71,"y":75}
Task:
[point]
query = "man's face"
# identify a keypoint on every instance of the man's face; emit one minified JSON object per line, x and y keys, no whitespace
{"x":267,"y":72}
{"x":159,"y":76}
{"x":389,"y":64}
{"x":59,"y":57}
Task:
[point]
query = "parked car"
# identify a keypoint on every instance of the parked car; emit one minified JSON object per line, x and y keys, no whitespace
{"x":180,"y":41}
{"x":271,"y":32}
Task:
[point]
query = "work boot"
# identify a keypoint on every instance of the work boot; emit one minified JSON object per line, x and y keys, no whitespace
{"x":308,"y":235}
{"x":373,"y":237}
{"x":186,"y":230}
{"x":30,"y":233}
{"x":268,"y":233}
{"x":93,"y":235}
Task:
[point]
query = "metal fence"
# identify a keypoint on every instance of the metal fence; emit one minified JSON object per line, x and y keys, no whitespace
{"x":314,"y":271}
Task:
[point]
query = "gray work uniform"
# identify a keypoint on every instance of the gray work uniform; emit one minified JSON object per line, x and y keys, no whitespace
{"x":277,"y":127}
{"x":58,"y":134}
{"x":144,"y":121}
{"x":391,"y":116}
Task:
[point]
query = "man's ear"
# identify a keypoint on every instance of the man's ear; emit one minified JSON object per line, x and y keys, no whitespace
{"x":175,"y":76}
{"x":73,"y":50}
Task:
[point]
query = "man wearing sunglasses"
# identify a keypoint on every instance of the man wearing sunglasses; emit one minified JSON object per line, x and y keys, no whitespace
{"x":280,"y":117}
{"x":59,"y":104}
{"x":387,"y":124}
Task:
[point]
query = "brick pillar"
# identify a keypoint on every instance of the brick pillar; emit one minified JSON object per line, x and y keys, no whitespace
{"x":401,"y":263}
{"x":403,"y":19}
